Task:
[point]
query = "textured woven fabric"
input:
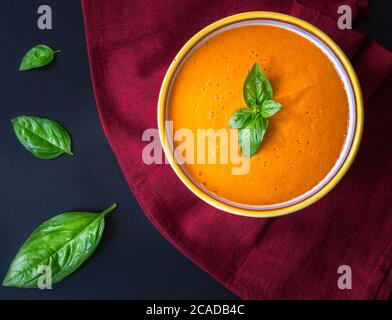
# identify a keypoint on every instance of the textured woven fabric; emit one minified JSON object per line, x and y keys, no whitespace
{"x":130,"y":46}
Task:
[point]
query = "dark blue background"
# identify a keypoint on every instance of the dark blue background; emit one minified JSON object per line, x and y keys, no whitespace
{"x":133,"y":261}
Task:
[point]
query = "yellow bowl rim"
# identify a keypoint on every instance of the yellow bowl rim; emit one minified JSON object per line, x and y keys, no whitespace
{"x":257,"y":15}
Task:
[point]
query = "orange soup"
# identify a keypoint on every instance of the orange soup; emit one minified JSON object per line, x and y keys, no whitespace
{"x":304,"y":139}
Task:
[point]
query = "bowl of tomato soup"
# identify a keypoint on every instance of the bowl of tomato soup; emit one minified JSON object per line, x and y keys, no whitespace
{"x":309,"y":144}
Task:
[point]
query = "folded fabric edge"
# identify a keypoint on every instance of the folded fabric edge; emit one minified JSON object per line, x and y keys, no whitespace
{"x":241,"y":289}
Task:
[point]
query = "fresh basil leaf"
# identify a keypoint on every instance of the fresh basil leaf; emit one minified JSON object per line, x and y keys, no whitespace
{"x":257,"y":87}
{"x":269,"y":108}
{"x":252,"y":122}
{"x":62,"y":243}
{"x":46,"y":139}
{"x":39,"y":56}
{"x":239,"y":118}
{"x":251,"y":136}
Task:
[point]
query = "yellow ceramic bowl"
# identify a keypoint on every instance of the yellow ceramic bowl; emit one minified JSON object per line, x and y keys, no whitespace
{"x":351,"y":85}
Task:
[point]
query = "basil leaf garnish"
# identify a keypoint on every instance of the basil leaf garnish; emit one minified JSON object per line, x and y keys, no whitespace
{"x":239,"y":118}
{"x":62,"y":243}
{"x":257,"y":87}
{"x":39,"y":56}
{"x":46,"y":139}
{"x":252,"y":122}
{"x":251,"y":136}
{"x":269,"y":108}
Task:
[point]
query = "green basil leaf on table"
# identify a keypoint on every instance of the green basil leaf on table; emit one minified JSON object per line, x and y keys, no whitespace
{"x":239,"y":118}
{"x":39,"y":56}
{"x":257,"y":87}
{"x":251,"y":136}
{"x":62,"y":243}
{"x":269,"y":108}
{"x":45,"y":139}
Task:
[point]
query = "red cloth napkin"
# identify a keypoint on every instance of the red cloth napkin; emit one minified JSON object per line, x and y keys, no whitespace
{"x":130,"y":46}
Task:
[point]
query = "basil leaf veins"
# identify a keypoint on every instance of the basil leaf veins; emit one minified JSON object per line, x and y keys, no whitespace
{"x":39,"y":56}
{"x":251,"y":136}
{"x":45,"y":139}
{"x":61,"y":243}
{"x":240,"y":118}
{"x":252,"y":121}
{"x":269,"y":108}
{"x":257,"y":87}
